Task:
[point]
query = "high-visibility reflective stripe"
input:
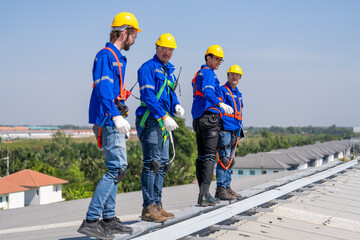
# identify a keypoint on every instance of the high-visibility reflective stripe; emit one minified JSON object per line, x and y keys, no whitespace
{"x":115,"y":64}
{"x":103,"y":78}
{"x":208,"y":86}
{"x":159,"y":71}
{"x":147,"y":86}
{"x":235,"y":96}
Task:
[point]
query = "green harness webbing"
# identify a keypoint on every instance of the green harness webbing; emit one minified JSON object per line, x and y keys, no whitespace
{"x":169,"y":85}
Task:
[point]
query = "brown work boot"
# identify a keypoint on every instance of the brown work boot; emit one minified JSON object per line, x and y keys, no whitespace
{"x":150,"y":214}
{"x":232,"y":192}
{"x":164,"y":213}
{"x":222,"y":194}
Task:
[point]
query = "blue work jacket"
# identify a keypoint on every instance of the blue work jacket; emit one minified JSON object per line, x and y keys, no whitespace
{"x":230,"y":123}
{"x":106,"y":80}
{"x":208,"y":84}
{"x":151,"y":77}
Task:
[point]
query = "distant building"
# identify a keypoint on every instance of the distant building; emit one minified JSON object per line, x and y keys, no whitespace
{"x":356,"y":129}
{"x":14,"y":133}
{"x":294,"y":158}
{"x":38,"y":188}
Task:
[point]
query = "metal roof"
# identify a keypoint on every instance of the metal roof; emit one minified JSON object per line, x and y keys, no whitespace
{"x":330,"y":211}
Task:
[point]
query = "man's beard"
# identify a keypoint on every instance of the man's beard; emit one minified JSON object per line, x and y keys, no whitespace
{"x":127,"y":44}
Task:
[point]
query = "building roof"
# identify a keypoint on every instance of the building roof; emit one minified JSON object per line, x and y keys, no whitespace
{"x":31,"y":178}
{"x":7,"y":187}
{"x":253,"y":161}
{"x":294,"y":156}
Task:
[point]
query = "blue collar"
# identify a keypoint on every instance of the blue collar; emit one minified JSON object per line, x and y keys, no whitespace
{"x":202,"y":66}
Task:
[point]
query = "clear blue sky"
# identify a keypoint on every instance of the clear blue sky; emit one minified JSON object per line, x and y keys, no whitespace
{"x":301,"y":59}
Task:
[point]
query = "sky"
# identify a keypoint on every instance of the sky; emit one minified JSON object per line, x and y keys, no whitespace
{"x":300,"y":59}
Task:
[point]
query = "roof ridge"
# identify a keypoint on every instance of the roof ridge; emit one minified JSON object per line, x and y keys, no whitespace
{"x":30,"y":172}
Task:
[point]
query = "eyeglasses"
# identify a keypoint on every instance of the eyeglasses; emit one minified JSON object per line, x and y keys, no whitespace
{"x":163,"y":49}
{"x":218,"y":59}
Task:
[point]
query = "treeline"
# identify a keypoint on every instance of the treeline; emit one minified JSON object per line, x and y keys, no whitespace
{"x":82,"y":164}
{"x":343,"y":132}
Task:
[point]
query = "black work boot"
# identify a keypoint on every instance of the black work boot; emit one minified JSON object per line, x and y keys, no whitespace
{"x":208,"y":200}
{"x":223,"y":194}
{"x":115,"y":226}
{"x":95,"y":229}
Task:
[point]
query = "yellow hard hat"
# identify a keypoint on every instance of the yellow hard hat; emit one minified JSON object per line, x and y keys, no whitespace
{"x":166,"y":40}
{"x":235,"y":69}
{"x":215,"y":50}
{"x":126,"y":18}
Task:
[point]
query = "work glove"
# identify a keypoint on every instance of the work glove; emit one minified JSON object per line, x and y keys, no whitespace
{"x":179,"y":111}
{"x":227,"y":109}
{"x":169,"y":124}
{"x":121,"y":124}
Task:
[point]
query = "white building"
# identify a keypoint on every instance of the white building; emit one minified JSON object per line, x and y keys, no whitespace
{"x":11,"y":195}
{"x":41,"y":188}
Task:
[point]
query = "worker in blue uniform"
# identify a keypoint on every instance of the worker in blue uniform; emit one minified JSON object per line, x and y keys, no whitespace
{"x":110,"y":126}
{"x":207,"y":110}
{"x":229,"y":135}
{"x":154,"y":121}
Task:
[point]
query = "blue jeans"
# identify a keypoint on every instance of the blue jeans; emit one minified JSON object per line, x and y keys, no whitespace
{"x":153,"y":150}
{"x":223,"y":176}
{"x":103,"y":200}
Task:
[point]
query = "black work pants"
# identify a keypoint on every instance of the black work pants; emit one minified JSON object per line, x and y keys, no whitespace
{"x":207,"y":129}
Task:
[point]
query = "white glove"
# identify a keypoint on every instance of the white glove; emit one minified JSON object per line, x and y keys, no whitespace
{"x":170,"y":124}
{"x":179,"y":111}
{"x":121,"y":124}
{"x":227,"y":109}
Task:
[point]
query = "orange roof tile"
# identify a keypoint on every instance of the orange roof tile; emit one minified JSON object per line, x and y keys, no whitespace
{"x":20,"y":128}
{"x":7,"y":187}
{"x":31,"y":178}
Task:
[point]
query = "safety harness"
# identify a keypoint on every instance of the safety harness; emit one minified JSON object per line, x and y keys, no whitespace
{"x":236,"y":115}
{"x":198,"y":93}
{"x":167,"y":84}
{"x":124,"y":94}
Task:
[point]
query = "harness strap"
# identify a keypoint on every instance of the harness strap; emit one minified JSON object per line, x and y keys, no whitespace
{"x":196,"y":92}
{"x":124,"y":94}
{"x":147,"y":112}
{"x":237,"y":114}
